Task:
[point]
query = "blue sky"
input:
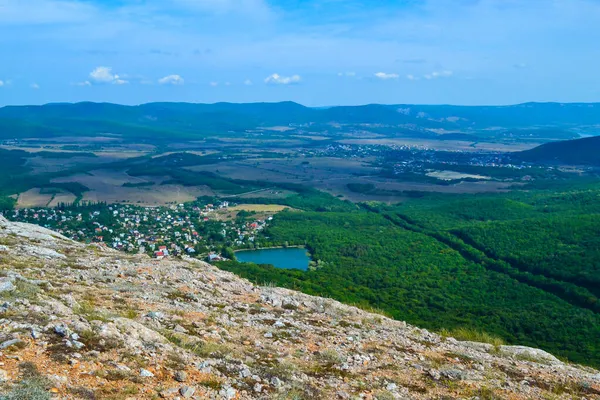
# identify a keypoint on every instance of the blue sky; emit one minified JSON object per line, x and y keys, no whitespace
{"x":316,"y":52}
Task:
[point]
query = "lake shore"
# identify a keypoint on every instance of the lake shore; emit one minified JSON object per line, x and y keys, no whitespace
{"x":291,"y":257}
{"x":273,"y":247}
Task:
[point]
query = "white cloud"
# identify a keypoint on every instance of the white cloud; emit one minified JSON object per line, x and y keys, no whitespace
{"x":214,"y":84}
{"x":84,"y":83}
{"x":1,"y":83}
{"x":34,"y":86}
{"x":442,"y":74}
{"x":252,"y":8}
{"x":248,"y":82}
{"x":438,"y":74}
{"x":383,"y":75}
{"x":171,"y":80}
{"x":102,"y":74}
{"x":282,"y":80}
{"x":411,"y":77}
{"x":520,"y":66}
{"x":349,"y":74}
{"x":105,"y":75}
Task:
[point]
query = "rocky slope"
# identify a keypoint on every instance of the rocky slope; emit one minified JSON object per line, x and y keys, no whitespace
{"x":84,"y":322}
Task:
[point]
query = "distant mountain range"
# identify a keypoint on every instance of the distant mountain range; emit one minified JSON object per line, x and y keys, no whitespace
{"x":531,"y":120}
{"x":573,"y":152}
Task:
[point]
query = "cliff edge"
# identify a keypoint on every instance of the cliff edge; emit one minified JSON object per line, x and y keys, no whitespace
{"x":86,"y":322}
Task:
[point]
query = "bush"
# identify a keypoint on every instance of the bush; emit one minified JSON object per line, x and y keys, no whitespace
{"x":33,"y":386}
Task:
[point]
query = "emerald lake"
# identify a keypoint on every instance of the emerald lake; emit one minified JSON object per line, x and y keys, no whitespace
{"x":285,"y":258}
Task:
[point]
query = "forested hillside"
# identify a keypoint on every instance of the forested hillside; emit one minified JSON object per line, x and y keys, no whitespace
{"x":523,"y":265}
{"x":163,"y":121}
{"x":573,"y":152}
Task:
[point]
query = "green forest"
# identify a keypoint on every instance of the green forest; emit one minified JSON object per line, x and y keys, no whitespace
{"x":524,"y":265}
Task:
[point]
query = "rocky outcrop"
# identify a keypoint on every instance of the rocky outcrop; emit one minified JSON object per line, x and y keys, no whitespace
{"x":86,"y":322}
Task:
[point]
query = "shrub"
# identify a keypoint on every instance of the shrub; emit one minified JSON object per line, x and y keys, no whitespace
{"x":33,"y":386}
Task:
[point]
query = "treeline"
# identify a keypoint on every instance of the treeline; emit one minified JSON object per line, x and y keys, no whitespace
{"x":305,"y":199}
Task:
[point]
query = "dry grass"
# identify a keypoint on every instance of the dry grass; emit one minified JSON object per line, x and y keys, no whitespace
{"x":473,"y":335}
{"x":259,"y":207}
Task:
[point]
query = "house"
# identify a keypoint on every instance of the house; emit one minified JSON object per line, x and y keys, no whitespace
{"x":214,"y":257}
{"x":159,"y":255}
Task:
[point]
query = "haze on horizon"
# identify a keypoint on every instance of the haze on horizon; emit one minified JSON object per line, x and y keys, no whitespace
{"x":327,"y":52}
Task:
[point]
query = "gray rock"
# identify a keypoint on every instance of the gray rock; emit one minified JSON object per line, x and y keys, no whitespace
{"x":434,"y":374}
{"x":180,"y":329}
{"x":3,"y":376}
{"x":529,"y":353}
{"x":35,"y":334}
{"x":145,"y":373}
{"x":258,"y":388}
{"x":43,"y":252}
{"x":8,"y":343}
{"x":187,"y":391}
{"x":155,"y":315}
{"x":6,"y":285}
{"x":342,"y":395}
{"x":78,"y":345}
{"x":180,"y":376}
{"x":275,"y":381}
{"x":268,"y":335}
{"x":229,"y":393}
{"x":169,"y":392}
{"x":245,"y":373}
{"x":62,"y":330}
{"x":58,"y":380}
{"x":453,"y":374}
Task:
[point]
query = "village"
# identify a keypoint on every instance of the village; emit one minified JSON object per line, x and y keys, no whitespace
{"x":197,"y":229}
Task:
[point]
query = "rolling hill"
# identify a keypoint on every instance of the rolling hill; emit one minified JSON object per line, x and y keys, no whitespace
{"x":549,"y":121}
{"x":575,"y":152}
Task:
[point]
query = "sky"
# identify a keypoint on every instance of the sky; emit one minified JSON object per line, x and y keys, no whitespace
{"x":315,"y":52}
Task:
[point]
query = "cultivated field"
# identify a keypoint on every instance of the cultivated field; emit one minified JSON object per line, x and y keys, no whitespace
{"x":66,"y":198}
{"x":271,"y":208}
{"x":446,"y":144}
{"x":107,"y":185}
{"x":451,"y":175}
{"x":33,"y":198}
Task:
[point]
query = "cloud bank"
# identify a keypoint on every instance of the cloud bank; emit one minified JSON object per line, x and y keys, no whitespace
{"x":282,"y":80}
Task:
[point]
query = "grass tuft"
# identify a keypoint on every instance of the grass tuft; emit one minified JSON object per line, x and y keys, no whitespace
{"x":473,"y":335}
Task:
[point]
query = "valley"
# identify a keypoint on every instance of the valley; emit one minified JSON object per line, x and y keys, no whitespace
{"x":471,"y":229}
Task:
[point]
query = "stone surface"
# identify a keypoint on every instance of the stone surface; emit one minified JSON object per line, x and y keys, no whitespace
{"x":187,"y":391}
{"x":9,"y":343}
{"x":7,"y":285}
{"x":180,"y":376}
